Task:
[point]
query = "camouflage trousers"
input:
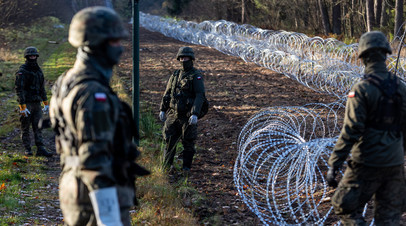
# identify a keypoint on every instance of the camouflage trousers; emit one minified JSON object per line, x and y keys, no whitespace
{"x":361,"y":183}
{"x":75,"y":202}
{"x":177,"y":128}
{"x":33,"y":119}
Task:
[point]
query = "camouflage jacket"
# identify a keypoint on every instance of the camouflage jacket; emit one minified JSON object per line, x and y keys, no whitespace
{"x":184,"y":92}
{"x":93,"y":126}
{"x":29,"y":84}
{"x":369,"y":146}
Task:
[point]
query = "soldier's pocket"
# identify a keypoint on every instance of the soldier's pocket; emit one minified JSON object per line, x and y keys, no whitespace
{"x":185,"y":83}
{"x":346,"y":199}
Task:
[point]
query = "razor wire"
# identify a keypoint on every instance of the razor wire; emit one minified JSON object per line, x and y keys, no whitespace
{"x":282,"y":160}
{"x":324,"y":65}
{"x":283,"y":151}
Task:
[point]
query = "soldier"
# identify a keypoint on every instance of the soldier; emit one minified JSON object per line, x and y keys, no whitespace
{"x":94,"y":129}
{"x":30,"y":88}
{"x":373,"y":133}
{"x":182,"y":101}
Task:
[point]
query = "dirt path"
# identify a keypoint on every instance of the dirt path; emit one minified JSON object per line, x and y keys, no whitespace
{"x":235,"y":90}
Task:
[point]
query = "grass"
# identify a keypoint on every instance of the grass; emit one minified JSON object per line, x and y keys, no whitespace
{"x":21,"y":180}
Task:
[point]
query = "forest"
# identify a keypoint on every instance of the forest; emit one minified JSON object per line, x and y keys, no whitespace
{"x":343,"y":19}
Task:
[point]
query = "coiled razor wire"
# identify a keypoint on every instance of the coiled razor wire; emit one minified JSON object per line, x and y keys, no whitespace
{"x":324,"y":65}
{"x":283,"y":151}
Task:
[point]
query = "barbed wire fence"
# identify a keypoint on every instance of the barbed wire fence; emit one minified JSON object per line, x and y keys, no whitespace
{"x":283,"y":151}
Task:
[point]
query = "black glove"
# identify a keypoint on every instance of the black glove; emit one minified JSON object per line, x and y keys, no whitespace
{"x":331,"y":177}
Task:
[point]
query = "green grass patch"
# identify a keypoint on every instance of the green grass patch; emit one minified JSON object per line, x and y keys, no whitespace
{"x":59,"y":61}
{"x":21,"y":180}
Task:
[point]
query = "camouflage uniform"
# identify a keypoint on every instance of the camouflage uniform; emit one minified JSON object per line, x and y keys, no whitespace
{"x":183,"y":97}
{"x":94,"y":129}
{"x":375,"y":168}
{"x":30,"y":88}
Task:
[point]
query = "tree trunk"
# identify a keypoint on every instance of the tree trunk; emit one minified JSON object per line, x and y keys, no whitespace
{"x":370,"y":15}
{"x":351,"y":22}
{"x":336,"y":17}
{"x":324,"y":16}
{"x":242,"y":11}
{"x":398,"y":17}
{"x":377,"y":11}
{"x":384,"y":15}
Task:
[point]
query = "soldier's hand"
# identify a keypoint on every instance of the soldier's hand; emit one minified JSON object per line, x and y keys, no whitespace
{"x":331,"y":177}
{"x":193,"y":120}
{"x":162,"y":116}
{"x":24,"y":110}
{"x":45,"y":109}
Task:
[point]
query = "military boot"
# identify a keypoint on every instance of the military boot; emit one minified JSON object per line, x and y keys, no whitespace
{"x":43,"y":152}
{"x":28,"y":152}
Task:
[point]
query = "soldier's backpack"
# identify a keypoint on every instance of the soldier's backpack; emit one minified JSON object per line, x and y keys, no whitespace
{"x":389,"y":112}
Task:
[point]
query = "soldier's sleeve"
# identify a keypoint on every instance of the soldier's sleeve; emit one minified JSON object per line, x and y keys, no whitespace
{"x":198,"y":86}
{"x":43,"y":93}
{"x":167,"y":95}
{"x":353,"y":128}
{"x":95,"y":127}
{"x":19,"y":86}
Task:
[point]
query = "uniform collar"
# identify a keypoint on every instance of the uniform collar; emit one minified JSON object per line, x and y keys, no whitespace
{"x":89,"y":63}
{"x":376,"y":68}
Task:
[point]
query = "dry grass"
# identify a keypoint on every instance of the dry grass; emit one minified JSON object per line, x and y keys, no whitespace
{"x":8,"y":56}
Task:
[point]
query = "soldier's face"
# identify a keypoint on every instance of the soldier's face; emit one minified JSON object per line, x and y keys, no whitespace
{"x":32,"y":57}
{"x":184,"y":58}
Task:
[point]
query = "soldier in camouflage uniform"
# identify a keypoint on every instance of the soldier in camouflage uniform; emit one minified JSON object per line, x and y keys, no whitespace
{"x":30,"y":88}
{"x":373,"y":132}
{"x":182,"y":102}
{"x":94,"y":129}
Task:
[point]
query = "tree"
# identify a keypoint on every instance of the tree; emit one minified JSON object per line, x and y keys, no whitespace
{"x":370,"y":14}
{"x":324,"y":16}
{"x":398,"y":17}
{"x":336,"y":17}
{"x":377,"y":11}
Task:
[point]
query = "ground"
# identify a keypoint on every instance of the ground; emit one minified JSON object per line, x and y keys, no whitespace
{"x":236,"y":90}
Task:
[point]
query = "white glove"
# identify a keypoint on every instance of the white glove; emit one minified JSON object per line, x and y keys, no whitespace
{"x":162,"y":116}
{"x":193,"y":120}
{"x":105,"y":206}
{"x":45,"y":109}
{"x":25,"y":112}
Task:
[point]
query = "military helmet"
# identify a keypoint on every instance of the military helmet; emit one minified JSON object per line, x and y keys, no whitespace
{"x":31,"y":51}
{"x":93,"y":25}
{"x":185,"y":51}
{"x":373,"y":40}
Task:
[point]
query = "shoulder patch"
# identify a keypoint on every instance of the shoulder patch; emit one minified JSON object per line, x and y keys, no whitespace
{"x":199,"y":77}
{"x":351,"y":94}
{"x":101,"y":97}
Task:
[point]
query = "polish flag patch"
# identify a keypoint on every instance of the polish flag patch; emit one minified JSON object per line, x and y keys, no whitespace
{"x":351,"y":94}
{"x":198,"y":78}
{"x":100,"y":97}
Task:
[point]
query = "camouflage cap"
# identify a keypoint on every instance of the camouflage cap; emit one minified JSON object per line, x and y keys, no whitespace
{"x":31,"y":51}
{"x":93,"y":25}
{"x":373,"y":40}
{"x":185,"y":51}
